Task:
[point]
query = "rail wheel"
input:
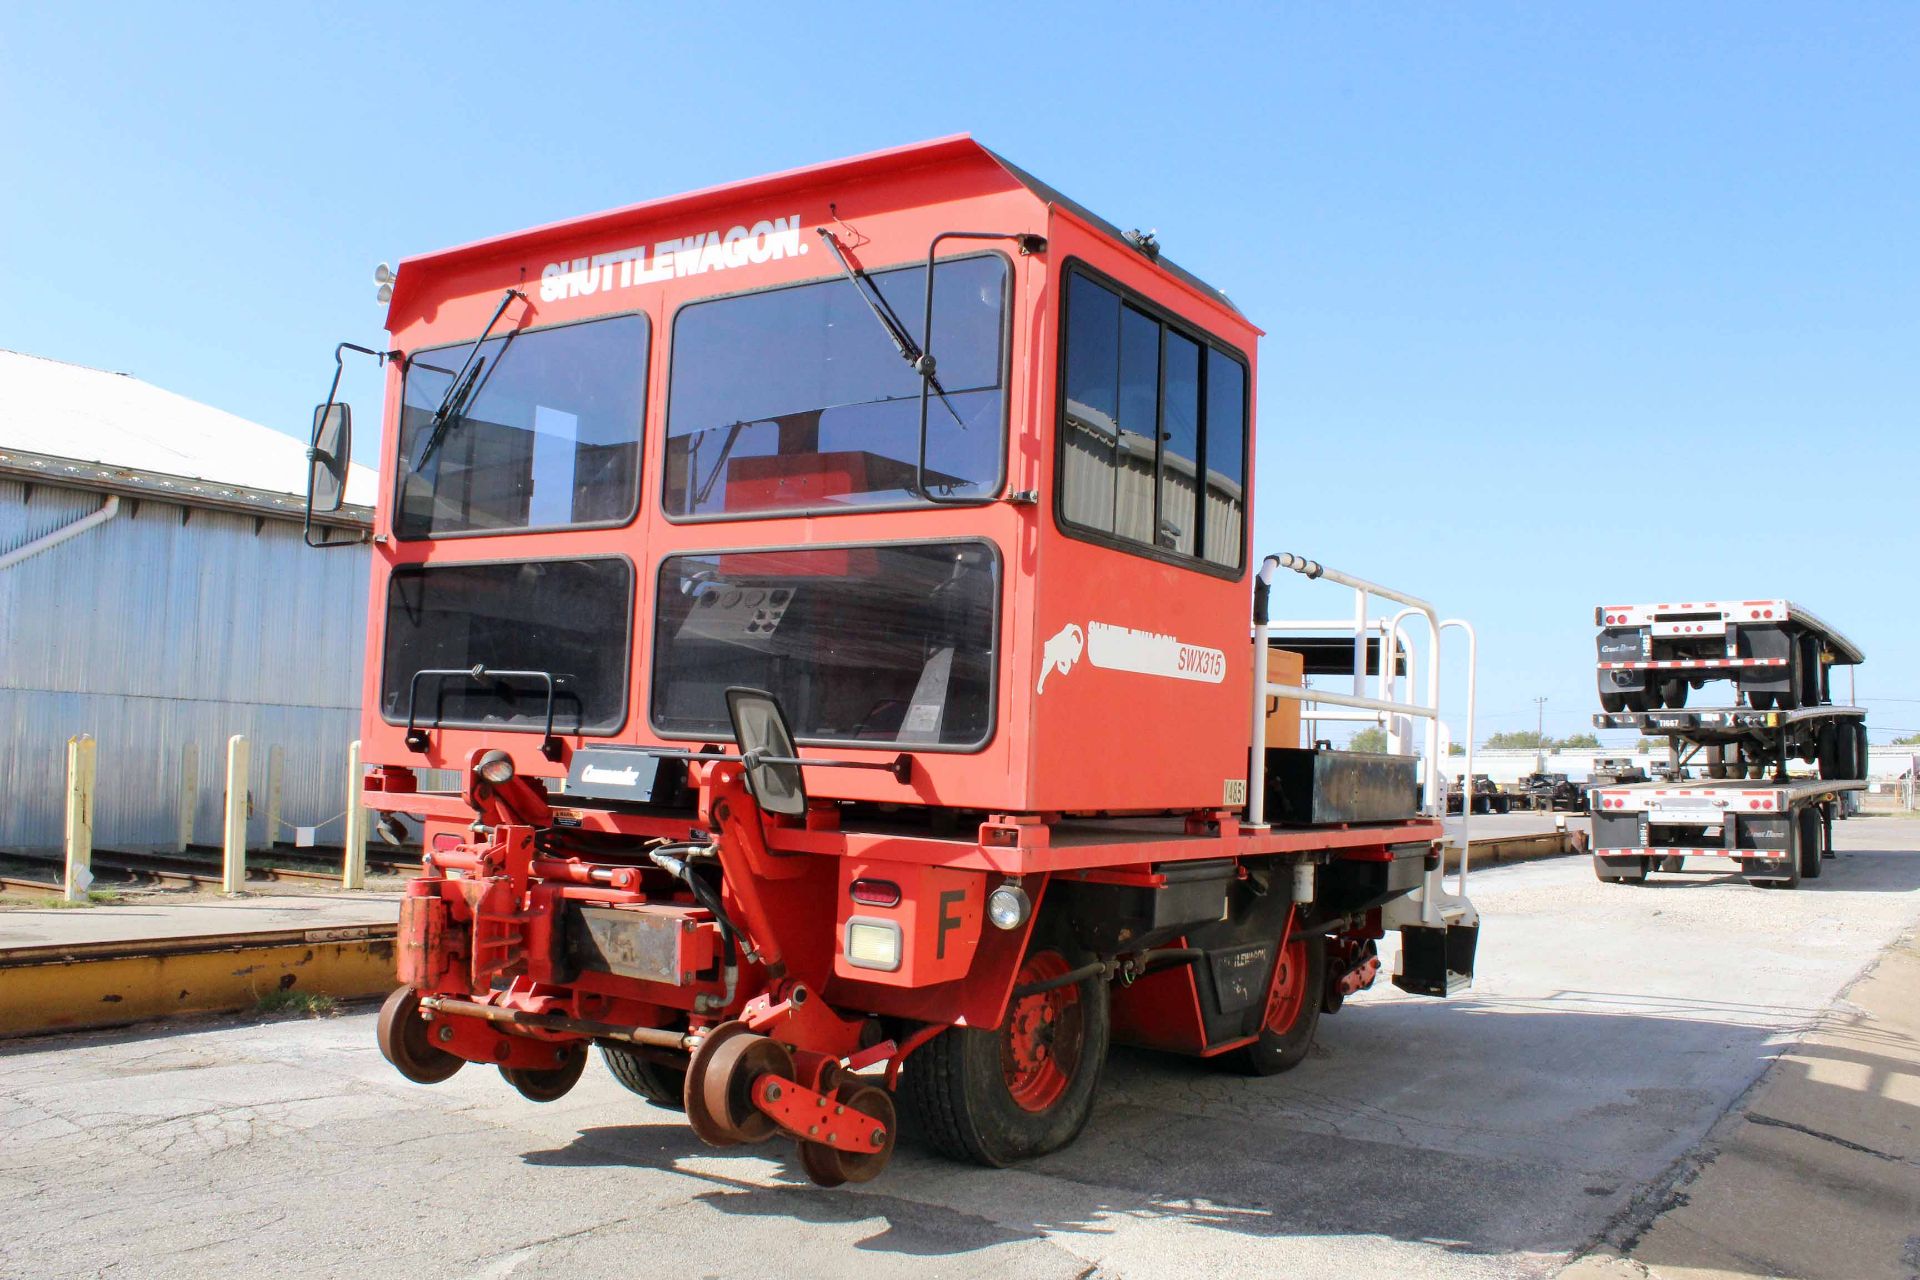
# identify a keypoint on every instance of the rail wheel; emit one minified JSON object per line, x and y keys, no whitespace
{"x":406,"y":1041}
{"x":1293,"y":1011}
{"x":829,"y":1166}
{"x":719,"y":1089}
{"x":658,"y":1083}
{"x":549,"y":1084}
{"x":1026,"y":1088}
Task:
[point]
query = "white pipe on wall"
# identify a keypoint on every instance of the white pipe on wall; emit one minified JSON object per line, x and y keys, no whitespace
{"x":48,"y":541}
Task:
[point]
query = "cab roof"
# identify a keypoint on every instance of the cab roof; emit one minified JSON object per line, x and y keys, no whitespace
{"x":958,"y":147}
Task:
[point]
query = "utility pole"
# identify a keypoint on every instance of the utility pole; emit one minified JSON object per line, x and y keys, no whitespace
{"x":1540,"y":735}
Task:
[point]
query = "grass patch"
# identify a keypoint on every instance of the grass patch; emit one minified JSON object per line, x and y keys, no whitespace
{"x":296,"y":1004}
{"x":94,"y":898}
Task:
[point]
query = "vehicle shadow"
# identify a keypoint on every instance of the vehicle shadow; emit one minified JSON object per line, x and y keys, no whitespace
{"x":1482,"y":1127}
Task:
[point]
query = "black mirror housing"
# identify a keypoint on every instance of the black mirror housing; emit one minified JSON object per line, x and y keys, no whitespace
{"x":328,"y":457}
{"x":766,"y":746}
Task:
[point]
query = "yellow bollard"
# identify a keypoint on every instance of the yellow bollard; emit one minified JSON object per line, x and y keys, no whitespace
{"x":189,"y":795}
{"x":80,"y":768}
{"x":234,"y":842}
{"x":276,"y":766}
{"x":353,"y":862}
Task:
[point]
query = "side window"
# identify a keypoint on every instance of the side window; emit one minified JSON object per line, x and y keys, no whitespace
{"x":1153,"y":430}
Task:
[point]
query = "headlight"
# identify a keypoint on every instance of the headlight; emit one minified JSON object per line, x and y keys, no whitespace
{"x":495,"y":767}
{"x":873,"y":944}
{"x":1008,"y":906}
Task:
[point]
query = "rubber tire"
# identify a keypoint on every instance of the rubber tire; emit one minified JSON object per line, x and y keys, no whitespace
{"x":1809,"y":689}
{"x":1612,"y":702}
{"x":1807,"y":842}
{"x":1760,"y":700}
{"x":1646,"y":867}
{"x":1640,"y":699}
{"x":663,"y":1086}
{"x":1674,"y":693}
{"x":1861,"y":755}
{"x":1273,"y":1053}
{"x":1652,"y":698}
{"x":1788,"y":699}
{"x":956,"y":1093}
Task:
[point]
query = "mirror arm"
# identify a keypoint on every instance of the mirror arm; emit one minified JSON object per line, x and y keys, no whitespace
{"x":313,"y":443}
{"x":1029,"y":244}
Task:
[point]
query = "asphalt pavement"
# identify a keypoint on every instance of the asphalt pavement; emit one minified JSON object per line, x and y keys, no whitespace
{"x":1499,"y":1133}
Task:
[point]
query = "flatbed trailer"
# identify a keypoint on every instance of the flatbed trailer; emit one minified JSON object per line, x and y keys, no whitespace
{"x":1774,"y":834}
{"x":1778,"y":654}
{"x":1740,"y":741}
{"x":838,"y":623}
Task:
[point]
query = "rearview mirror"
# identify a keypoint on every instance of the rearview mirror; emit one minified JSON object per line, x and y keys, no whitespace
{"x":766,"y":748}
{"x":327,"y":459}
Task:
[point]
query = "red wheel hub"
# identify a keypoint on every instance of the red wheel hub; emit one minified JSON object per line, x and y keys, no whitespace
{"x":1041,"y":1044}
{"x":1288,"y":998}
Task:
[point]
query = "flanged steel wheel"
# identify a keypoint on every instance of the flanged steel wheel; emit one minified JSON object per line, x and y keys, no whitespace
{"x":548,"y":1084}
{"x":407,"y":1041}
{"x":829,"y":1166}
{"x":720,"y":1076}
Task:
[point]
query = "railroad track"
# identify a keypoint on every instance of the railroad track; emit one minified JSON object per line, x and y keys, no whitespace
{"x":178,"y":870}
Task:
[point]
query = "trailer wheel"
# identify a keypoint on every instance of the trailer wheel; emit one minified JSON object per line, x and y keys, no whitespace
{"x":1760,"y":700}
{"x":659,"y":1084}
{"x":1806,"y":826}
{"x":1674,"y":693}
{"x":994,"y":1097}
{"x":1293,"y":1011}
{"x":1809,"y":684}
{"x":549,"y":1084}
{"x":1611,"y":701}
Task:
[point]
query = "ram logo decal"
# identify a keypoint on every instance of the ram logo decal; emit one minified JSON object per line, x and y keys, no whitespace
{"x":1116,"y":648}
{"x":1060,"y":653}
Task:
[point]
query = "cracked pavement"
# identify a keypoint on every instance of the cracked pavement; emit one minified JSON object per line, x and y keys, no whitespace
{"x":1496,"y":1134}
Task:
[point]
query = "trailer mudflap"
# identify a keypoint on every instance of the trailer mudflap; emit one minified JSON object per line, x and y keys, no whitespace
{"x":1435,"y":960}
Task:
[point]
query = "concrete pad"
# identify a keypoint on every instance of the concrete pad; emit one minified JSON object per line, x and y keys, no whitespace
{"x":1817,"y":1173}
{"x":158,"y":916}
{"x":1494,"y":1134}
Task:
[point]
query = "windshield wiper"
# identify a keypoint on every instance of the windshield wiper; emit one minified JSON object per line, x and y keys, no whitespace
{"x":890,"y":321}
{"x":460,"y":388}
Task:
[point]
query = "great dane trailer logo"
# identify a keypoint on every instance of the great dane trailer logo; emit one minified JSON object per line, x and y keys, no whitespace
{"x":1117,"y":648}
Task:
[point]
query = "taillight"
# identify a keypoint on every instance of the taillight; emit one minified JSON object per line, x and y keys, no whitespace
{"x":875,"y":893}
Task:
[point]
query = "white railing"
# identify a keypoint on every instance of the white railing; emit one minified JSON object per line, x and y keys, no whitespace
{"x":1387,"y":705}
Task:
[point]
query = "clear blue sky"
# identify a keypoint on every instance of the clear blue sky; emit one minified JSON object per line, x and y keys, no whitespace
{"x":1536,"y":278}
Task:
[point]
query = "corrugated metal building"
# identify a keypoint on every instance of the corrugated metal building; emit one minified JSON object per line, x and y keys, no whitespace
{"x":155,"y":593}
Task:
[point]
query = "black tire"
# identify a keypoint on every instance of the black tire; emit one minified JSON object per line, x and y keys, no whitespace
{"x":1277,"y":1051}
{"x":1612,"y":701}
{"x":658,"y":1083}
{"x":1760,"y":700}
{"x":1810,"y":683}
{"x":1674,"y":693}
{"x":1807,"y":842}
{"x":1640,"y":699}
{"x":1861,"y":758}
{"x":1638,"y":877}
{"x":1651,"y":698}
{"x":1788,"y":699}
{"x":956,"y":1087}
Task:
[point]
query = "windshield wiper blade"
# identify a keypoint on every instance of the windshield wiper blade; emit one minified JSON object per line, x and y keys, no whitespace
{"x":462,"y":384}
{"x":452,"y":410}
{"x":890,"y":321}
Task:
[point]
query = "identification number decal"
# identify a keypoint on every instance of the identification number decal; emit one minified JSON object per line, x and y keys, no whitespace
{"x":1116,"y":648}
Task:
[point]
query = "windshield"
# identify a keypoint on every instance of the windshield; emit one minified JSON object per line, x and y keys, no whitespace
{"x":794,"y":399}
{"x":889,"y":644}
{"x":546,"y":437}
